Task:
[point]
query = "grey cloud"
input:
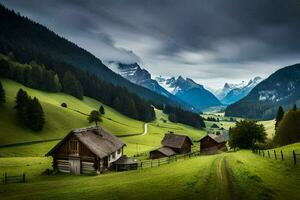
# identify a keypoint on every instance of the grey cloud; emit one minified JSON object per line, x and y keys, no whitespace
{"x":201,"y":35}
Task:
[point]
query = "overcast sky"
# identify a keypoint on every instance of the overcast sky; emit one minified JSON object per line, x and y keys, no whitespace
{"x":210,"y":41}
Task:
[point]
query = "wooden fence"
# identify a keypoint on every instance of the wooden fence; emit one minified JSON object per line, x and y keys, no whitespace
{"x":158,"y":162}
{"x":13,"y":179}
{"x":279,"y":155}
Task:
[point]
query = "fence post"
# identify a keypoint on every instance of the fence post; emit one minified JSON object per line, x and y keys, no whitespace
{"x":275,"y":155}
{"x":269,"y":154}
{"x":281,"y":155}
{"x":263,"y":153}
{"x":151,"y":163}
{"x":294,"y":155}
{"x":23,"y":177}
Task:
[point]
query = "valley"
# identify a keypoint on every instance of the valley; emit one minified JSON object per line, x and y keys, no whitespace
{"x":149,"y":100}
{"x":221,"y":176}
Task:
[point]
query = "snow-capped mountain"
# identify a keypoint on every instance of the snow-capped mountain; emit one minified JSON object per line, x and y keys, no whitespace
{"x":189,"y":91}
{"x":282,"y":88}
{"x":134,"y":73}
{"x":179,"y":89}
{"x":231,"y":93}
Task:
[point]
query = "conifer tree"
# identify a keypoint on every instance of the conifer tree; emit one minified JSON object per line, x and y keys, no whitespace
{"x":21,"y":103}
{"x":279,"y":116}
{"x":35,"y":119}
{"x":2,"y":94}
{"x":101,"y":110}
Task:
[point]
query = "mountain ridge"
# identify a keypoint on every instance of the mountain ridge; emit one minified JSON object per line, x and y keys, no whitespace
{"x":282,"y":88}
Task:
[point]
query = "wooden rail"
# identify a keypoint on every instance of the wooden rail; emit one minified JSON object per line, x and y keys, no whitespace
{"x":13,"y":179}
{"x":158,"y":162}
{"x":279,"y":155}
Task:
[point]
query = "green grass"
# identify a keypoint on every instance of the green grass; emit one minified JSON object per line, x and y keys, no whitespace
{"x":234,"y":175}
{"x":270,"y":128}
{"x":59,"y":121}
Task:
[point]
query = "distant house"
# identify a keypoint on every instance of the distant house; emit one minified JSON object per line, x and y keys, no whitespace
{"x":212,"y":143}
{"x":172,"y":144}
{"x":86,"y":150}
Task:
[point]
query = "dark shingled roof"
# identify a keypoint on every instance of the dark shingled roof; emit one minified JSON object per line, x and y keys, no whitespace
{"x":96,"y":139}
{"x":167,"y":151}
{"x":174,"y":141}
{"x":217,"y":138}
{"x":125,"y":160}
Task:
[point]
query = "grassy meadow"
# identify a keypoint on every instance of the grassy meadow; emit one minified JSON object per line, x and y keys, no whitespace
{"x":232,"y":175}
{"x":59,"y":121}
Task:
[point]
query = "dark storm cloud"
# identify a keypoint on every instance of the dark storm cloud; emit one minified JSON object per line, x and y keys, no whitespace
{"x":202,"y":33}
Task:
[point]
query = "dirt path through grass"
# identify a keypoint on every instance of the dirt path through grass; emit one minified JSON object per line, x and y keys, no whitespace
{"x":145,"y":129}
{"x":224,"y":180}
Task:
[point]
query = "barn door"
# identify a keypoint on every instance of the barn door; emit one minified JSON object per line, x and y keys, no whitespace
{"x":75,"y":166}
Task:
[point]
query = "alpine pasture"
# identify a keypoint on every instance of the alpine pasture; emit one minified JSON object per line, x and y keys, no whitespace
{"x":232,"y":175}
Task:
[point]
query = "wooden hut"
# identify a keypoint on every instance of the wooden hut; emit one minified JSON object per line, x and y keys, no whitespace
{"x":212,"y":143}
{"x":172,"y":144}
{"x":86,"y":150}
{"x":125,"y":163}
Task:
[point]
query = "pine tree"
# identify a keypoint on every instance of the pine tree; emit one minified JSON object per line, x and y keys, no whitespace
{"x":2,"y":94}
{"x":35,"y":119}
{"x":21,"y":103}
{"x":72,"y":86}
{"x":295,"y":107}
{"x":279,"y":116}
{"x":94,"y":117}
{"x":101,"y":110}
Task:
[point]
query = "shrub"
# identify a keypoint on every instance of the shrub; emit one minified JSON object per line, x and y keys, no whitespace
{"x":64,"y":105}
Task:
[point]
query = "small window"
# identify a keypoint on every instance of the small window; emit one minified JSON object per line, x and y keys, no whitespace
{"x":119,"y":151}
{"x":114,"y":155}
{"x":74,"y":146}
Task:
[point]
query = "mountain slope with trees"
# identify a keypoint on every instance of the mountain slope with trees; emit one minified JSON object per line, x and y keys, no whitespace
{"x":282,"y":88}
{"x":30,"y":41}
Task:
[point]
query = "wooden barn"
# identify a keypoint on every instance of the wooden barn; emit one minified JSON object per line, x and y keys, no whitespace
{"x":212,"y":143}
{"x":172,"y":144}
{"x":86,"y":150}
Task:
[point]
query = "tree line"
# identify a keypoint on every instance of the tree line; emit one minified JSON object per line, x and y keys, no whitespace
{"x":177,"y":115}
{"x":287,"y":126}
{"x":249,"y":134}
{"x":29,"y":111}
{"x":76,"y":83}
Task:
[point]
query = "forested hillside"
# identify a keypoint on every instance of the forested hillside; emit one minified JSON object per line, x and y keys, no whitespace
{"x":77,"y":84}
{"x":282,"y":88}
{"x":29,"y":41}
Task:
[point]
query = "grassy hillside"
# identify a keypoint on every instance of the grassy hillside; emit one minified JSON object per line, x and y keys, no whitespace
{"x":59,"y":121}
{"x":235,"y":175}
